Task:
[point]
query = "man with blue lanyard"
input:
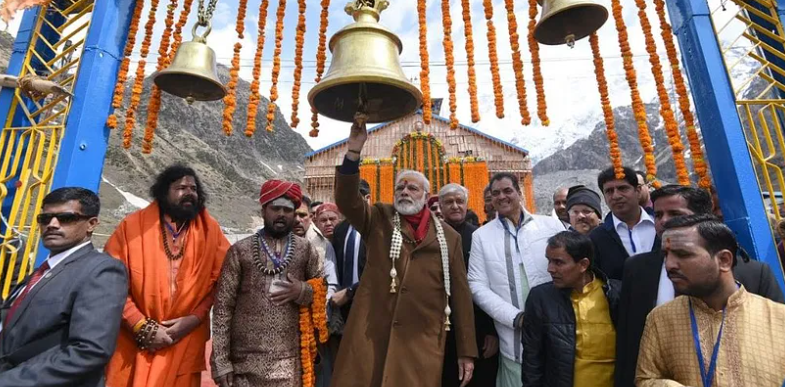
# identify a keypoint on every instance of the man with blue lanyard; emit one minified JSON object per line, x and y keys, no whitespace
{"x":716,"y":333}
{"x":507,"y":259}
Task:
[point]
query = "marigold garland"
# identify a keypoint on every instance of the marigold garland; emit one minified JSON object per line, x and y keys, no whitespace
{"x":671,"y":126}
{"x":534,"y":48}
{"x":312,"y":318}
{"x":136,"y":90}
{"x":528,"y":189}
{"x":449,"y":57}
{"x":255,"y":98}
{"x":230,"y":100}
{"x":387,"y":179}
{"x":517,"y":63}
{"x":498,"y":93}
{"x":321,"y":58}
{"x":177,"y":36}
{"x":122,"y":73}
{"x":280,"y":13}
{"x":298,"y":63}
{"x":637,"y":104}
{"x":607,"y":109}
{"x":425,"y":84}
{"x":467,"y":30}
{"x":696,"y":152}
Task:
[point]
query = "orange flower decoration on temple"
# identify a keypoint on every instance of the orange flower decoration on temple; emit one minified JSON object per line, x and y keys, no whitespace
{"x":122,"y":73}
{"x":449,"y":57}
{"x":498,"y":93}
{"x":607,"y":109}
{"x":253,"y":102}
{"x":138,"y":87}
{"x":230,"y":101}
{"x":276,"y":64}
{"x":298,"y":62}
{"x":321,"y":58}
{"x":637,"y":104}
{"x":425,"y":85}
{"x":467,"y":23}
{"x":517,"y":62}
{"x":696,"y":152}
{"x":671,"y":126}
{"x":534,"y":48}
{"x":313,"y":318}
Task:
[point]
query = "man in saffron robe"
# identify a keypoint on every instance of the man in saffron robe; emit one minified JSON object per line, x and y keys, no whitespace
{"x":256,"y":335}
{"x":174,"y":250}
{"x":413,"y":288}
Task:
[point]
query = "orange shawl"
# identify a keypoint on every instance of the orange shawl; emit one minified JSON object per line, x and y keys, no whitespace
{"x":138,"y":243}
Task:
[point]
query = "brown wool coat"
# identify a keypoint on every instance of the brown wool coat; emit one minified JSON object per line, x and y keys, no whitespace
{"x":397,"y":340}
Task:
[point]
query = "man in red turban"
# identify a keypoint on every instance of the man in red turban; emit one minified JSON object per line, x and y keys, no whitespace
{"x":276,"y":189}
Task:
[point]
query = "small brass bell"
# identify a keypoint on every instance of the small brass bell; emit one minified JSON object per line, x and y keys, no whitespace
{"x":193,"y":73}
{"x":365,"y":72}
{"x":567,"y":21}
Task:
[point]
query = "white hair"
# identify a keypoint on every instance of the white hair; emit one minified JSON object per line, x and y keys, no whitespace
{"x":426,"y":185}
{"x":454,"y":188}
{"x":410,"y":206}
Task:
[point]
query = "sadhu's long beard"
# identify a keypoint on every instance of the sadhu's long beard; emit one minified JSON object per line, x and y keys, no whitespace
{"x":179,"y":212}
{"x":409,"y":206}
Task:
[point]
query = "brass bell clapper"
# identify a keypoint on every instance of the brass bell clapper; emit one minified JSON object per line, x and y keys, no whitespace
{"x":567,"y":21}
{"x":193,"y":73}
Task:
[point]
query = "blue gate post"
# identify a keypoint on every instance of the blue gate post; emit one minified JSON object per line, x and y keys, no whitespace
{"x":723,"y":135}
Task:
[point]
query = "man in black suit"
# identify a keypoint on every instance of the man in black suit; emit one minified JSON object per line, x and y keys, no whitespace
{"x":60,"y":325}
{"x":646,"y":283}
{"x":454,"y":203}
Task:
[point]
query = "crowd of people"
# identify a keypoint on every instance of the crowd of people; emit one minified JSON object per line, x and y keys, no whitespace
{"x":655,"y":293}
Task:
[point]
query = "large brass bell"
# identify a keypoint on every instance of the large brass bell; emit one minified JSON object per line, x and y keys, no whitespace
{"x":193,"y":73}
{"x":567,"y":21}
{"x":365,"y":73}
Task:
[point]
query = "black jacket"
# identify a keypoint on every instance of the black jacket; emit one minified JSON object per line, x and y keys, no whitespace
{"x":549,"y":333}
{"x":639,"y":296}
{"x":609,"y":250}
{"x":339,"y":241}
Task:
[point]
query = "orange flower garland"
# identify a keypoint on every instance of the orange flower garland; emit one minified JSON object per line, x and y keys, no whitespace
{"x":154,"y":106}
{"x":298,"y":62}
{"x":637,"y":104}
{"x":136,"y":90}
{"x":386,"y":178}
{"x":671,"y":126}
{"x":449,"y":57}
{"x":467,"y":29}
{"x":177,"y":36}
{"x":696,"y":152}
{"x":122,"y":73}
{"x":517,"y":63}
{"x":253,"y":102}
{"x":230,"y":101}
{"x":475,"y":177}
{"x":534,"y":48}
{"x":424,"y":59}
{"x":321,"y":57}
{"x":494,"y":58}
{"x":312,"y":318}
{"x":276,"y":63}
{"x":607,"y":109}
{"x":528,"y":190}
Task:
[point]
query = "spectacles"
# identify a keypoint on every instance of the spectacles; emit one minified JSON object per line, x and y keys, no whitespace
{"x":62,"y":217}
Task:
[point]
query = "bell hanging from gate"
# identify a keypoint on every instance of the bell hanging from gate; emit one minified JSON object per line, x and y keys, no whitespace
{"x":193,"y":73}
{"x":365,"y":73}
{"x":567,"y":21}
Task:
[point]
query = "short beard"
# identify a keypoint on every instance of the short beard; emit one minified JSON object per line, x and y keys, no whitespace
{"x":178,"y":213}
{"x":407,"y":209}
{"x":277,"y":234}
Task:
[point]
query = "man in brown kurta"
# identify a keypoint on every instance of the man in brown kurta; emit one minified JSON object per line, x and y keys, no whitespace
{"x":397,"y":339}
{"x":256,"y":335}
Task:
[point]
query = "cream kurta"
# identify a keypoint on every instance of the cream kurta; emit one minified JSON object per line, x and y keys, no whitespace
{"x":752,"y":348}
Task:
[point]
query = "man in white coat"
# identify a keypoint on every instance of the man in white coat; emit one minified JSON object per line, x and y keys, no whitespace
{"x":507,"y":259}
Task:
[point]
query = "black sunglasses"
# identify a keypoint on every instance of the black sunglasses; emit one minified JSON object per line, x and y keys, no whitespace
{"x":62,"y":217}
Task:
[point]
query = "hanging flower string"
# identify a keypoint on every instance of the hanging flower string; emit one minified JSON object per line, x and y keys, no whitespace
{"x":136,"y":90}
{"x":154,"y":106}
{"x":450,"y":59}
{"x":637,"y":104}
{"x":276,"y":64}
{"x":467,"y":29}
{"x":607,"y":109}
{"x":498,"y":93}
{"x":298,"y":62}
{"x":671,"y":126}
{"x":424,"y":59}
{"x":534,"y":48}
{"x":122,"y":73}
{"x":696,"y":152}
{"x":321,"y":58}
{"x":313,"y":318}
{"x":517,"y":62}
{"x":255,"y":98}
{"x":230,"y":100}
{"x":177,"y":36}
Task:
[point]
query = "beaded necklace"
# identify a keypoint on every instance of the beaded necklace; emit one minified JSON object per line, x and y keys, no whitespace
{"x":167,"y":248}
{"x":279,"y":264}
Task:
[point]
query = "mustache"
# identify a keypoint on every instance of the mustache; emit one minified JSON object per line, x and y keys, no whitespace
{"x":48,"y":233}
{"x":676,"y":274}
